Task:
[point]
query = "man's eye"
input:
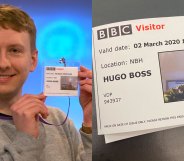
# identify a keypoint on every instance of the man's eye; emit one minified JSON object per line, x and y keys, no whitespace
{"x":15,"y":51}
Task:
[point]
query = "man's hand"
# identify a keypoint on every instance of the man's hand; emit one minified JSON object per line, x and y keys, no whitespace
{"x":26,"y":112}
{"x":85,"y":76}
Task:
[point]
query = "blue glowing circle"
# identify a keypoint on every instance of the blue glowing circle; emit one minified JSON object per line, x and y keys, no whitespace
{"x":61,"y":39}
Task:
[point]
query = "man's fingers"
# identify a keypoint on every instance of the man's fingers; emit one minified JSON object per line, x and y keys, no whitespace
{"x":85,"y":73}
{"x":86,"y":81}
{"x":85,"y":76}
{"x":26,"y":99}
{"x":30,"y":96}
{"x":42,"y":97}
{"x":31,"y":112}
{"x":87,"y":88}
{"x":26,"y":106}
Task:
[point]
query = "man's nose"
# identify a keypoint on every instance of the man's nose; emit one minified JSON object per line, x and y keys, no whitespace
{"x":4,"y":61}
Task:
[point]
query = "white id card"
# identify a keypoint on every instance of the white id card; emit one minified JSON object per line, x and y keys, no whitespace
{"x":139,"y":74}
{"x":60,"y":81}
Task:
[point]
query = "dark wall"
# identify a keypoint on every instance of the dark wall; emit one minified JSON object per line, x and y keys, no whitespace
{"x":108,"y":11}
{"x":165,"y":145}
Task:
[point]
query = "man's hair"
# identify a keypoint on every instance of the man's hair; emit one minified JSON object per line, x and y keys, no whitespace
{"x":16,"y":19}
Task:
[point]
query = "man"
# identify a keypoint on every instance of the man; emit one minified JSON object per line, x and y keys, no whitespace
{"x":22,"y":136}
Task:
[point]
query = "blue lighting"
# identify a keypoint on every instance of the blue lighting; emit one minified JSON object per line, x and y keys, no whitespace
{"x":61,"y":38}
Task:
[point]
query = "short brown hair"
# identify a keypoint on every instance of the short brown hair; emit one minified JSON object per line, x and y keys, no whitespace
{"x":14,"y":18}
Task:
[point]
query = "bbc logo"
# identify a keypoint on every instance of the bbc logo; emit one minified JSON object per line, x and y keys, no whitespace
{"x":114,"y":31}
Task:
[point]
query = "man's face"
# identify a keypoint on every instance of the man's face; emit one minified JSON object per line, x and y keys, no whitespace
{"x":16,"y":61}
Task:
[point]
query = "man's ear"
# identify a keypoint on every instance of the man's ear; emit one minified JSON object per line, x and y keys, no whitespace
{"x":34,"y":60}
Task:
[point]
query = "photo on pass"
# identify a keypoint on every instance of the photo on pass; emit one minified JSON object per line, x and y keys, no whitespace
{"x":69,"y":83}
{"x":172,"y":74}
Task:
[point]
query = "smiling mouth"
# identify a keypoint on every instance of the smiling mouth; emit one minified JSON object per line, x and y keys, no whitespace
{"x":6,"y":78}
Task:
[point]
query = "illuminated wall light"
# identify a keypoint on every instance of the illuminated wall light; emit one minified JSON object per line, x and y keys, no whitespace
{"x":61,"y":38}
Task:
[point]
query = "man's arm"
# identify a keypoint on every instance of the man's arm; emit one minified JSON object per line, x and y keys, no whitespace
{"x":81,"y":143}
